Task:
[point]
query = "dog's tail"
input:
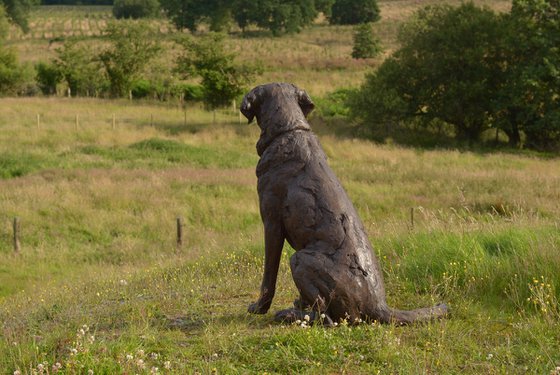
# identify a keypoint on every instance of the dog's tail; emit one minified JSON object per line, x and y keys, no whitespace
{"x":402,"y":317}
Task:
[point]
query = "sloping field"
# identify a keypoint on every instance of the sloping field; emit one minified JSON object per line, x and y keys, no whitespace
{"x":100,"y":284}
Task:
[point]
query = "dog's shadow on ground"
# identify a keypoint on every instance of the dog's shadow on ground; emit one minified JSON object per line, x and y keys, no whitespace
{"x":196,"y":323}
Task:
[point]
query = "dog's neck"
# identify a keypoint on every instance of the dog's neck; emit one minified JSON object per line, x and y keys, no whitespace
{"x":271,"y":133}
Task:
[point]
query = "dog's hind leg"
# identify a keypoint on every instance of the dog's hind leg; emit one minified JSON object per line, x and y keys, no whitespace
{"x":315,"y":287}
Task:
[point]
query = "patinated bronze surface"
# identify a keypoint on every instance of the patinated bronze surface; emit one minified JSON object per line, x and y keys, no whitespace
{"x":302,"y":201}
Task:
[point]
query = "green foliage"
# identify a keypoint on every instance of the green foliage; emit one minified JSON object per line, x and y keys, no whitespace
{"x":366,"y":45}
{"x":353,"y":12}
{"x":79,"y":67}
{"x":222,"y":79}
{"x":4,"y":25}
{"x":48,"y":77}
{"x":18,"y":11}
{"x":334,"y":104}
{"x":530,"y":94}
{"x":189,"y":14}
{"x":189,"y":91}
{"x":131,"y":49}
{"x":185,"y":14}
{"x":274,"y":15}
{"x":447,"y":69}
{"x":135,"y":8}
{"x":474,"y":70}
{"x":11,"y":73}
{"x":18,"y":164}
{"x":283,"y":16}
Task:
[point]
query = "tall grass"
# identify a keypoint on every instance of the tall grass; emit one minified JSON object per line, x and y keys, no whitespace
{"x":98,"y":206}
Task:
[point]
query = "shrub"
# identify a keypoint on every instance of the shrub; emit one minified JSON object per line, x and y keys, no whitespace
{"x":366,"y":45}
{"x":48,"y":77}
{"x":334,"y":104}
{"x":189,"y":92}
{"x":11,"y":73}
{"x":141,"y":88}
{"x":222,"y":78}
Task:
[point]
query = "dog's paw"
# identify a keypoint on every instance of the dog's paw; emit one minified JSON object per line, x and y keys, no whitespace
{"x":256,"y":308}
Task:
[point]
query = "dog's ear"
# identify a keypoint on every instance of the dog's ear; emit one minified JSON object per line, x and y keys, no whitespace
{"x":305,"y":102}
{"x":248,"y":106}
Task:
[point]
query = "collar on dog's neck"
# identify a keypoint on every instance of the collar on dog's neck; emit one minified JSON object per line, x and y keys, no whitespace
{"x":266,"y":139}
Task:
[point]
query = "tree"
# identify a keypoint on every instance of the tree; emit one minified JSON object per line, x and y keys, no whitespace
{"x":79,"y":67}
{"x":353,"y":12}
{"x":131,"y":49}
{"x":222,"y":79}
{"x":185,"y":14}
{"x":530,"y":95}
{"x":366,"y":45}
{"x":245,"y":12}
{"x":135,"y":8}
{"x":18,"y":11}
{"x":11,"y":74}
{"x":448,"y":69}
{"x":288,"y":16}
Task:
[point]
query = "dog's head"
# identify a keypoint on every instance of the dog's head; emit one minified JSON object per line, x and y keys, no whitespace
{"x":274,"y":96}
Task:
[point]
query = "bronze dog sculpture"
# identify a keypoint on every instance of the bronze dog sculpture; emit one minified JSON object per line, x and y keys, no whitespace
{"x":302,"y":201}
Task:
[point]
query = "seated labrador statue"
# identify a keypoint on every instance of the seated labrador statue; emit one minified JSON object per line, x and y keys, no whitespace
{"x":302,"y":201}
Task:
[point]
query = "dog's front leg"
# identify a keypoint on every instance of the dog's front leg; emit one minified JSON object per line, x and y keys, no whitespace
{"x":273,"y":244}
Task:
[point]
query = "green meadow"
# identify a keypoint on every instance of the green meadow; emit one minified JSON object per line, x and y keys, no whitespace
{"x":99,"y":284}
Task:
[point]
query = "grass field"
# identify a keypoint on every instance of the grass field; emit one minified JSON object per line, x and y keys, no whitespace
{"x":98,"y":204}
{"x":100,"y":284}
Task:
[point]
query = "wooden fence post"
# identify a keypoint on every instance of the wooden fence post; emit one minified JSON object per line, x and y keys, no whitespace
{"x":17,"y":245}
{"x":179,"y":232}
{"x":411,"y":217}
